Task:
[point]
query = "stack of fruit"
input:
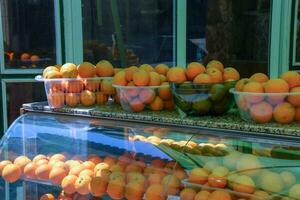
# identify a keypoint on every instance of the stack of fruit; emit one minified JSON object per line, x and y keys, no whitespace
{"x":200,"y":91}
{"x":262,"y":99}
{"x":85,"y":84}
{"x":144,"y":87}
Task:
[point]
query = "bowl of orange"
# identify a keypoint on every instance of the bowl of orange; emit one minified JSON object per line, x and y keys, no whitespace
{"x":262,"y":100}
{"x":82,"y":85}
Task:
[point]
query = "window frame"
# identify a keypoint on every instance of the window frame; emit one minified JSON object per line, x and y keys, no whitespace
{"x":295,"y":64}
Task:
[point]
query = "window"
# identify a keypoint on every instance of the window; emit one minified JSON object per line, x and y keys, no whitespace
{"x":298,"y":35}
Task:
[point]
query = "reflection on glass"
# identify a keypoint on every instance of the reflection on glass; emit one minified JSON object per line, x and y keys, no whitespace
{"x":146,"y":29}
{"x":298,"y":36}
{"x":234,"y":32}
{"x":29,"y":33}
{"x":20,"y":93}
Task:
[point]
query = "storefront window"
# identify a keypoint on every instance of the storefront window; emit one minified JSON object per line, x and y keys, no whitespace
{"x":29,"y":33}
{"x":233,"y":31}
{"x":298,"y":35}
{"x":146,"y":29}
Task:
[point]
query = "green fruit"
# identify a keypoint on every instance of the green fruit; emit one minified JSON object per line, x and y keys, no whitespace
{"x":202,"y":107}
{"x":185,"y":88}
{"x":217,"y":92}
{"x":222,"y":106}
{"x":229,"y":84}
{"x":182,"y":104}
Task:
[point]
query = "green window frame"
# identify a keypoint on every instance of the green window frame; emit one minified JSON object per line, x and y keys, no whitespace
{"x":295,"y":63}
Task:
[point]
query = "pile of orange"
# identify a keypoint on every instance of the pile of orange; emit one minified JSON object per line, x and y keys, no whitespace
{"x":144,"y":86}
{"x":214,"y":72}
{"x":79,"y":84}
{"x":277,"y":99}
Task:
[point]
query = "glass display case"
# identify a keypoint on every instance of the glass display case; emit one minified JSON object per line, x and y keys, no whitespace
{"x":93,"y":158}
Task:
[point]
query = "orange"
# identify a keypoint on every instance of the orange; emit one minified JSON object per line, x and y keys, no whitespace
{"x":72,"y":99}
{"x":259,"y":77}
{"x":202,"y":195}
{"x":231,"y":74}
{"x":88,"y":165}
{"x":157,"y":104}
{"x":73,"y":86}
{"x":98,"y":186}
{"x":215,"y":64}
{"x":162,"y":69}
{"x":297,"y":115}
{"x":134,"y":191}
{"x":110,"y":160}
{"x":56,"y":99}
{"x":42,"y":162}
{"x":141,"y":78}
{"x":116,"y":188}
{"x":75,"y":170}
{"x":34,"y":58}
{"x":244,"y":184}
{"x":155,"y":192}
{"x":154,"y":178}
{"x":133,"y":168}
{"x":101,"y":98}
{"x":43,"y":171}
{"x":39,"y":157}
{"x":219,"y":195}
{"x":87,"y":172}
{"x":47,"y":69}
{"x":147,"y":68}
{"x":101,"y":169}
{"x":215,"y":75}
{"x":187,"y":194}
{"x":69,"y":70}
{"x":58,"y":157}
{"x":294,"y":99}
{"x":25,"y":57}
{"x":92,"y":85}
{"x":11,"y":173}
{"x":239,"y":86}
{"x":180,"y":173}
{"x":104,"y":69}
{"x":57,"y":174}
{"x":129,"y":72}
{"x":193,"y":70}
{"x":158,"y":163}
{"x":202,"y":79}
{"x":107,"y":88}
{"x":163,"y":78}
{"x":276,"y":86}
{"x":217,"y":181}
{"x":68,"y":184}
{"x":136,"y":176}
{"x":172,"y":183}
{"x":52,"y":74}
{"x":292,"y":78}
{"x":284,"y":113}
{"x":94,"y":158}
{"x":146,"y":96}
{"x":261,"y":112}
{"x":117,"y":167}
{"x":136,"y":105}
{"x":154,"y":79}
{"x":47,"y":197}
{"x":3,"y":164}
{"x":120,"y":79}
{"x":165,"y":92}
{"x":169,"y":105}
{"x":176,"y":75}
{"x":22,"y":161}
{"x":198,"y":176}
{"x":253,"y":87}
{"x":29,"y":170}
{"x":87,"y":98}
{"x":82,"y":185}
{"x":86,"y":70}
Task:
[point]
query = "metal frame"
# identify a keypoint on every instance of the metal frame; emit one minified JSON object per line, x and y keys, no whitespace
{"x":181,"y":24}
{"x":295,"y":63}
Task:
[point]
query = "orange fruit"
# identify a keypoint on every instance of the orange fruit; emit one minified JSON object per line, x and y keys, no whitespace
{"x":101,"y":169}
{"x":261,"y":112}
{"x":231,"y":74}
{"x":244,"y":184}
{"x":215,"y":64}
{"x":68,"y":184}
{"x":292,"y":78}
{"x":163,"y":78}
{"x":39,"y":157}
{"x":116,"y":188}
{"x":253,"y":87}
{"x":193,"y":70}
{"x":92,"y":85}
{"x":22,"y":161}
{"x":57,"y":174}
{"x":117,"y":167}
{"x":146,"y":96}
{"x":120,"y":78}
{"x":276,"y":86}
{"x":154,"y":178}
{"x":48,"y":197}
{"x":219,"y":195}
{"x":162,"y":69}
{"x":136,"y":105}
{"x":53,"y":74}
{"x":47,"y":69}
{"x":69,"y":70}
{"x":155,"y":192}
{"x":98,"y":186}
{"x":3,"y":164}
{"x":110,"y":160}
{"x":56,"y":99}
{"x":43,"y":171}
{"x":294,"y":99}
{"x":104,"y":69}
{"x":87,"y":98}
{"x":176,"y":75}
{"x":11,"y":173}
{"x":42,"y":162}
{"x":25,"y":57}
{"x":75,"y":170}
{"x":94,"y":158}
{"x":73,"y":86}
{"x":180,"y":174}
{"x":72,"y":99}
{"x":202,"y":195}
{"x":158,"y":163}
{"x":202,"y":79}
{"x":146,"y":67}
{"x":239,"y":86}
{"x":29,"y":170}
{"x":217,"y":181}
{"x":134,"y":191}
{"x":198,"y":176}
{"x":82,"y":184}
{"x":58,"y":157}
{"x":154,"y":79}
{"x":215,"y":75}
{"x":169,"y":105}
{"x":259,"y":77}
{"x":133,"y":168}
{"x":87,"y":172}
{"x":129,"y":72}
{"x":86,"y":70}
{"x":187,"y":194}
{"x":34,"y":58}
{"x":107,"y":88}
{"x":88,"y":165}
{"x":101,"y":98}
{"x":297,"y":115}
{"x":165,"y":92}
{"x":141,"y":78}
{"x":136,"y":176}
{"x":157,"y":104}
{"x":284,"y":113}
{"x":171,"y":183}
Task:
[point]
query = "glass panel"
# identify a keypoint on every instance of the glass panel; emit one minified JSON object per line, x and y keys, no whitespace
{"x":298,"y":35}
{"x":232,"y":31}
{"x":147,"y":31}
{"x":29,"y":33}
{"x":20,"y":93}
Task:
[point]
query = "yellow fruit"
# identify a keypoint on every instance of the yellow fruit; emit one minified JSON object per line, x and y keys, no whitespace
{"x":69,"y":70}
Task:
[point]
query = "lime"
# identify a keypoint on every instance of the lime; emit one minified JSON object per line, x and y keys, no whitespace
{"x":202,"y":107}
{"x":217,"y":92}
